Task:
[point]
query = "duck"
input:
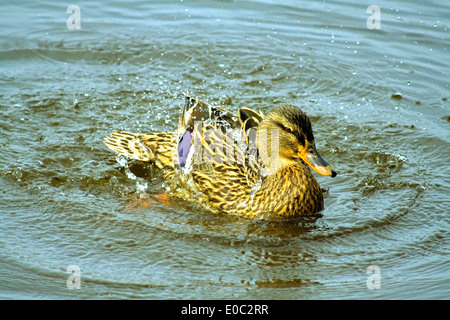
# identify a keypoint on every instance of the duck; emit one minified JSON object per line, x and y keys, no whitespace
{"x":246,"y":163}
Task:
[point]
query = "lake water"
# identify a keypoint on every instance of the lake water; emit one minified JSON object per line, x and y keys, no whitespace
{"x":378,"y":100}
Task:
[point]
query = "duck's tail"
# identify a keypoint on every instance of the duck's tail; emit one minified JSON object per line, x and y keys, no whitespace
{"x":158,"y":147}
{"x":132,"y":145}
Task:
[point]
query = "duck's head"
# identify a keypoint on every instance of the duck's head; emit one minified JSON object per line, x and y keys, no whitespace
{"x":296,"y":139}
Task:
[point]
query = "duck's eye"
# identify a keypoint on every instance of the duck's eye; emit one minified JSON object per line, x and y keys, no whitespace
{"x":288,"y":130}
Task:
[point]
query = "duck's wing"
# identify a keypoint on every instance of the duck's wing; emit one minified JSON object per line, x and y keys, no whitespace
{"x":249,"y":118}
{"x":215,"y":148}
{"x":212,"y":116}
{"x":224,"y":170}
{"x":203,"y":118}
{"x":217,"y":132}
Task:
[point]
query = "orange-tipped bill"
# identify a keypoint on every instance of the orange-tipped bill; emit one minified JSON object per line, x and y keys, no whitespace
{"x":317,"y":163}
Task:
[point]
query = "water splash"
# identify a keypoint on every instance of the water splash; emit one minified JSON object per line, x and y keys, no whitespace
{"x":141,"y":183}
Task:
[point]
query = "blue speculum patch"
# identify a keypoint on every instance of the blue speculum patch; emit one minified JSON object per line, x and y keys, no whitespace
{"x":184,"y":144}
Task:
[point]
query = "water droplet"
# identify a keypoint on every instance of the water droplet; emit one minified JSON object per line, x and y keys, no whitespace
{"x":141,"y":185}
{"x":131,"y":175}
{"x":121,"y":160}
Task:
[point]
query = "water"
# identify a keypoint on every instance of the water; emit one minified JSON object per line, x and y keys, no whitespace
{"x":379,"y":104}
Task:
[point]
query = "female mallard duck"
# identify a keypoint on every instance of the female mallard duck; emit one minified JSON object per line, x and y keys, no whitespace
{"x":247,"y":164}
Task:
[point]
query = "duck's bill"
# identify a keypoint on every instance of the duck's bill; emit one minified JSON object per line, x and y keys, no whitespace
{"x":318,"y":164}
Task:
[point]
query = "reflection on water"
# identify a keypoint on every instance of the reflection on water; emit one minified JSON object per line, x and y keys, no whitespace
{"x":378,"y":101}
